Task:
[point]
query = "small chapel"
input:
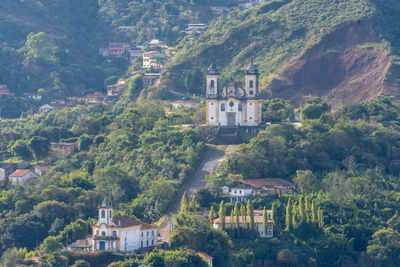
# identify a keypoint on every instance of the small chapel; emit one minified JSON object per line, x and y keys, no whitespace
{"x":232,"y":106}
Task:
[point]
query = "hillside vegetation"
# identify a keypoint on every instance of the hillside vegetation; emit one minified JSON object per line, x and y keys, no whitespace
{"x":346,"y":50}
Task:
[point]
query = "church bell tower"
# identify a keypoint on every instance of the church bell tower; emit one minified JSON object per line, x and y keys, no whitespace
{"x":251,"y":81}
{"x":105,"y":213}
{"x":212,"y":82}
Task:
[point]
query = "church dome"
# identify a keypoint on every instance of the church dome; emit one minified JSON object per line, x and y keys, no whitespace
{"x":212,"y":70}
{"x":252,"y":70}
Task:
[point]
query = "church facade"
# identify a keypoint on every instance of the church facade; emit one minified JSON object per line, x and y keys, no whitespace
{"x":232,"y":106}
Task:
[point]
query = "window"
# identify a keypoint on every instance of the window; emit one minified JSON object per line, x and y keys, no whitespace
{"x":231,"y":104}
{"x":147,"y":233}
{"x":152,"y":233}
{"x":235,"y":191}
{"x":152,"y":242}
{"x":103,"y":233}
{"x":147,"y":243}
{"x":222,"y":106}
{"x":97,"y":232}
{"x":212,"y":84}
{"x":141,"y":244}
{"x":142,"y":234}
{"x":240,"y":107}
{"x":114,"y":233}
{"x":240,"y":191}
{"x":103,"y":214}
{"x":110,"y":213}
{"x":251,"y":84}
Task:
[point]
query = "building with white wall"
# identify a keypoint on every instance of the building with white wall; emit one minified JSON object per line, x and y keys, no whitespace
{"x":121,"y":233}
{"x":231,"y":105}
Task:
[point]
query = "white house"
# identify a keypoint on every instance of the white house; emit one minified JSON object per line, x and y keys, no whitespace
{"x":265,"y":230}
{"x":45,"y":108}
{"x":239,"y":193}
{"x":121,"y":233}
{"x":20,"y":176}
{"x":199,"y":28}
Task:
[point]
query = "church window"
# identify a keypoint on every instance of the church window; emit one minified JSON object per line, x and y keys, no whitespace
{"x":114,"y":233}
{"x":212,"y":118}
{"x":251,"y":92}
{"x":212,"y":104}
{"x":231,"y":104}
{"x":142,"y":234}
{"x":152,"y":242}
{"x":251,"y":84}
{"x":147,"y":233}
{"x":251,"y":118}
{"x":147,"y":243}
{"x":103,"y":214}
{"x":110,"y":213}
{"x":212,"y":84}
{"x":141,"y":244}
{"x":240,"y":191}
{"x":152,"y":233}
{"x":103,"y":233}
{"x":251,"y":104}
{"x":222,"y":106}
{"x":240,"y":107}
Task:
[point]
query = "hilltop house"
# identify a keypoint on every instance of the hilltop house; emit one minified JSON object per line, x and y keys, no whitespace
{"x":45,"y":108}
{"x":95,"y":98}
{"x":248,"y":189}
{"x":153,"y":59}
{"x":7,"y":168}
{"x":121,"y":233}
{"x":116,"y":89}
{"x":266,"y":230}
{"x":20,"y":176}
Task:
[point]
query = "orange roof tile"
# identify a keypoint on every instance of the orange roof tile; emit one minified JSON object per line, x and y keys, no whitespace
{"x":20,"y":173}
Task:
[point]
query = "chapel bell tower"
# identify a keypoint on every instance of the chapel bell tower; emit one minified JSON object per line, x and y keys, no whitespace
{"x":212,"y":82}
{"x":105,"y":213}
{"x":251,"y":81}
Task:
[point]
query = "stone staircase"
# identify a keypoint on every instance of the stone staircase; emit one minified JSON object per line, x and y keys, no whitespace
{"x":226,"y":136}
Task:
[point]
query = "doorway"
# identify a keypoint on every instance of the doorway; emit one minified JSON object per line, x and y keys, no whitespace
{"x":231,"y":119}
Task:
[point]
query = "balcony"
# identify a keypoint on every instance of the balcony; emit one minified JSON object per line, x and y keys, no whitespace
{"x":101,"y":237}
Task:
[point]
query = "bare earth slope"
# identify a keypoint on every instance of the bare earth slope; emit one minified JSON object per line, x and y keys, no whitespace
{"x":347,"y":66}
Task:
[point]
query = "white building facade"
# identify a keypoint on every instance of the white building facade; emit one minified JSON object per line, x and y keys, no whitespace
{"x":121,"y":233}
{"x":231,"y":105}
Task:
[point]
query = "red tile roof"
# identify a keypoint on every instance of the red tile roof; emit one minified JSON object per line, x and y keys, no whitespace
{"x":20,"y":173}
{"x":267,"y":182}
{"x":205,"y":256}
{"x":126,"y":221}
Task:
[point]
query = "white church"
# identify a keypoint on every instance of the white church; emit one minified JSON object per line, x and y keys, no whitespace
{"x":121,"y":233}
{"x":232,"y":106}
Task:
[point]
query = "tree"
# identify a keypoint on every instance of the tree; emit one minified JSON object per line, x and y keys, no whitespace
{"x":295,"y":222}
{"x":302,"y":211}
{"x":134,"y":86}
{"x":194,"y":205}
{"x":40,"y":46}
{"x":51,"y":245}
{"x":243,"y":215}
{"x":222,"y":214}
{"x":314,"y":212}
{"x":274,"y":214}
{"x":304,"y":180}
{"x":21,"y":149}
{"x":13,"y":257}
{"x":394,"y":222}
{"x":81,"y":263}
{"x":185,"y":203}
{"x":250,"y":214}
{"x":320,"y":218}
{"x":288,"y":218}
{"x":39,"y":146}
{"x":211,"y":215}
{"x":287,"y":257}
{"x":385,"y":247}
{"x":265,"y":219}
{"x":313,"y":109}
{"x":236,"y":214}
{"x":84,"y":142}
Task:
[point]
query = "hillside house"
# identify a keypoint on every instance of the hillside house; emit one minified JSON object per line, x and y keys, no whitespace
{"x":41,"y":170}
{"x":95,"y":98}
{"x":151,"y":78}
{"x":20,"y":176}
{"x":118,"y":49}
{"x":183,"y":104}
{"x":263,"y":230}
{"x":207,"y":258}
{"x":5,"y":91}
{"x":7,"y":168}
{"x":248,"y":189}
{"x":134,"y":54}
{"x":121,"y":233}
{"x":199,"y":28}
{"x":64,"y":147}
{"x":33,"y":96}
{"x":153,"y":59}
{"x":116,"y":89}
{"x":46,"y":108}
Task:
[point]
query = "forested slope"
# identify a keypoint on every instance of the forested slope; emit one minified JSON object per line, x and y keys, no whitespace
{"x":344,"y":50}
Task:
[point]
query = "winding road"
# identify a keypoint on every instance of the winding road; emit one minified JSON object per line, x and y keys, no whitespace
{"x":211,"y":161}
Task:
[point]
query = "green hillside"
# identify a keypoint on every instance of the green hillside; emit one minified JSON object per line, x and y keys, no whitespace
{"x":65,"y":60}
{"x":287,"y":38}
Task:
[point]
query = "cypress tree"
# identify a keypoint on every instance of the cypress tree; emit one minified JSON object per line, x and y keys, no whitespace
{"x":314,"y":215}
{"x":307,"y":208}
{"x":194,"y":205}
{"x":222,"y":214}
{"x":320,"y":218}
{"x":236,"y":214}
{"x":250,"y":213}
{"x":302,"y":212}
{"x":211,"y":215}
{"x":243,"y":215}
{"x":185,"y":203}
{"x":288,"y":219}
{"x":232,"y":225}
{"x":294,"y":216}
{"x":274,"y":214}
{"x":265,"y":220}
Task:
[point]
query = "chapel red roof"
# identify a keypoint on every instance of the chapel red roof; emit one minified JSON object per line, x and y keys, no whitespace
{"x":20,"y":173}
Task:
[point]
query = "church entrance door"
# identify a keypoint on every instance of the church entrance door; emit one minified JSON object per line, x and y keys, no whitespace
{"x":102,"y":245}
{"x":231,"y":119}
